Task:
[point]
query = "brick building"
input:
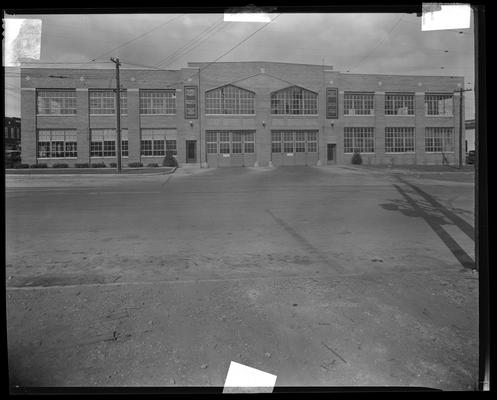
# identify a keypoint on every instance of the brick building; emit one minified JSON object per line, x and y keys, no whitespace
{"x":239,"y":114}
{"x":12,"y":133}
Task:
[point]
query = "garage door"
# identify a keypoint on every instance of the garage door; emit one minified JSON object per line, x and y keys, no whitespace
{"x":230,"y":148}
{"x":294,"y":147}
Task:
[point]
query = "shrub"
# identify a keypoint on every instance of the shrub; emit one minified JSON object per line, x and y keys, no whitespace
{"x":135,"y":165}
{"x":60,"y":165}
{"x":153,"y":165}
{"x":98,"y":165}
{"x":169,"y":160}
{"x":113,"y":165}
{"x":356,"y":158}
{"x":21,"y":166}
{"x":38,"y":166}
{"x":82,"y":165}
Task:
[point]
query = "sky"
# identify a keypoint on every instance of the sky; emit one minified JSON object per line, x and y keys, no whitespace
{"x":373,"y":43}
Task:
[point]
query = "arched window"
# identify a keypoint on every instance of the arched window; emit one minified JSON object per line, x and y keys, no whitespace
{"x":294,"y":100}
{"x":229,"y":99}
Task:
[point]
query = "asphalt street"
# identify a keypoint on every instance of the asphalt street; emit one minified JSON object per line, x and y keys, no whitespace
{"x":322,"y":276}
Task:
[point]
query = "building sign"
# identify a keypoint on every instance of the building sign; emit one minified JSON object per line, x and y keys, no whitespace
{"x":191,"y":102}
{"x":331,"y":103}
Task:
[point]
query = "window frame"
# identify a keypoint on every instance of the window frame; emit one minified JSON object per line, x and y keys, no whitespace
{"x":400,"y":97}
{"x":427,"y":104}
{"x":69,"y":90}
{"x":112,"y":132}
{"x":143,"y":97}
{"x":236,"y":95}
{"x":359,"y":97}
{"x":294,"y":98}
{"x":404,"y":131}
{"x":73,"y":134}
{"x":363,"y":130}
{"x":441,"y":130}
{"x":123,"y":93}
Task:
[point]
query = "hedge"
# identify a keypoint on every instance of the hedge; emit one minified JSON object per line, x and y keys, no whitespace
{"x":82,"y":165}
{"x":98,"y":165}
{"x":61,"y":165}
{"x":135,"y":165}
{"x":38,"y":166}
{"x":21,"y":166}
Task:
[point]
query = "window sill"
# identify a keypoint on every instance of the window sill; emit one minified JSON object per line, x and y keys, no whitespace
{"x":294,"y":115}
{"x":361,"y":152}
{"x":438,"y":116}
{"x":400,"y":152}
{"x":56,"y":115}
{"x":439,"y":152}
{"x":57,"y":158}
{"x":400,"y":115}
{"x":359,"y":115}
{"x":230,"y":115}
{"x":164,"y":115}
{"x":107,"y":115}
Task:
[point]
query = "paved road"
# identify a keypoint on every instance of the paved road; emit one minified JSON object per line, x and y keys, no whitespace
{"x":321,"y":276}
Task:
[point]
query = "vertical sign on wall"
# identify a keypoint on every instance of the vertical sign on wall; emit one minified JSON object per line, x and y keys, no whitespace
{"x":331,"y":103}
{"x":191,"y":102}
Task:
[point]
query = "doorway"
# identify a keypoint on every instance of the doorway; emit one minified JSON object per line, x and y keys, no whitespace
{"x":331,"y":150}
{"x":191,"y":151}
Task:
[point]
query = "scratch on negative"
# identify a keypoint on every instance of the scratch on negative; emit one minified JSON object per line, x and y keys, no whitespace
{"x":334,"y":352}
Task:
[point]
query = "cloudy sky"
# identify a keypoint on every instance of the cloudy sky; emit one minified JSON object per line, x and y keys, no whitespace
{"x":355,"y":43}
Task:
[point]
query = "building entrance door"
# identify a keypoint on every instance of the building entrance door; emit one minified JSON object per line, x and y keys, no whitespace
{"x":191,"y":151}
{"x":331,"y":150}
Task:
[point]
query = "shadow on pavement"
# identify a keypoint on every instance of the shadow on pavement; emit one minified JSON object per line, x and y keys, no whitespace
{"x":433,"y":213}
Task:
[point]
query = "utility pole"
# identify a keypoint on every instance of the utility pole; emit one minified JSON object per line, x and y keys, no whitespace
{"x":118,"y":113}
{"x":461,"y":91}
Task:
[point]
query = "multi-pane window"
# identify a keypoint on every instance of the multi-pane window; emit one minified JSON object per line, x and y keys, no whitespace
{"x":399,"y":140}
{"x":103,"y":101}
{"x":211,"y":141}
{"x":438,"y":140}
{"x":438,"y":104}
{"x":226,"y":142}
{"x":171,"y":146}
{"x":57,"y":144}
{"x":56,"y":101}
{"x":399,"y":104}
{"x":158,"y":102}
{"x":229,"y":99}
{"x":294,"y":101}
{"x":155,"y":142}
{"x":298,"y":141}
{"x":358,"y":103}
{"x":358,"y":139}
{"x":124,"y":142}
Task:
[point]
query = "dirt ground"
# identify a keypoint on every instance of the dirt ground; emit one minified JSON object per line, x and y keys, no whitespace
{"x":322,"y":276}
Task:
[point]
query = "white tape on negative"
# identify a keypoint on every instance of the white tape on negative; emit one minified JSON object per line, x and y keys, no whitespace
{"x":243,"y":379}
{"x":445,"y":16}
{"x":22,"y":40}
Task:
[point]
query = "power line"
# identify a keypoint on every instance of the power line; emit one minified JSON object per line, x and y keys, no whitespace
{"x":138,"y":37}
{"x":210,"y":29}
{"x":379,"y":44}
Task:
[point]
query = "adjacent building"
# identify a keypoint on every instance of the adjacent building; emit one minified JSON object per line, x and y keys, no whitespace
{"x":239,"y":114}
{"x":12,"y":133}
{"x":470,"y":135}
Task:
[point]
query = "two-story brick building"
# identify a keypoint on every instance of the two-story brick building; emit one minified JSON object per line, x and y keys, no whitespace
{"x":239,"y":114}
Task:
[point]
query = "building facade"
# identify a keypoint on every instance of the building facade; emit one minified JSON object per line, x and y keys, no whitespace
{"x":239,"y":114}
{"x":12,"y":133}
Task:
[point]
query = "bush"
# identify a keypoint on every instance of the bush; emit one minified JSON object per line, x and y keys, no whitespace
{"x":169,"y":160}
{"x":113,"y":165}
{"x":38,"y":166}
{"x":135,"y":165}
{"x":98,"y":165}
{"x":82,"y":165}
{"x":18,"y":166}
{"x":356,"y":158}
{"x":152,"y":165}
{"x":61,"y":165}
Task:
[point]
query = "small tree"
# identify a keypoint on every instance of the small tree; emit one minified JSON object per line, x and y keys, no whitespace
{"x":356,"y":157}
{"x":169,"y":160}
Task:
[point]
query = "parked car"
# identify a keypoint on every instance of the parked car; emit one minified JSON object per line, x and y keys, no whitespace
{"x":12,"y":158}
{"x":470,"y":157}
